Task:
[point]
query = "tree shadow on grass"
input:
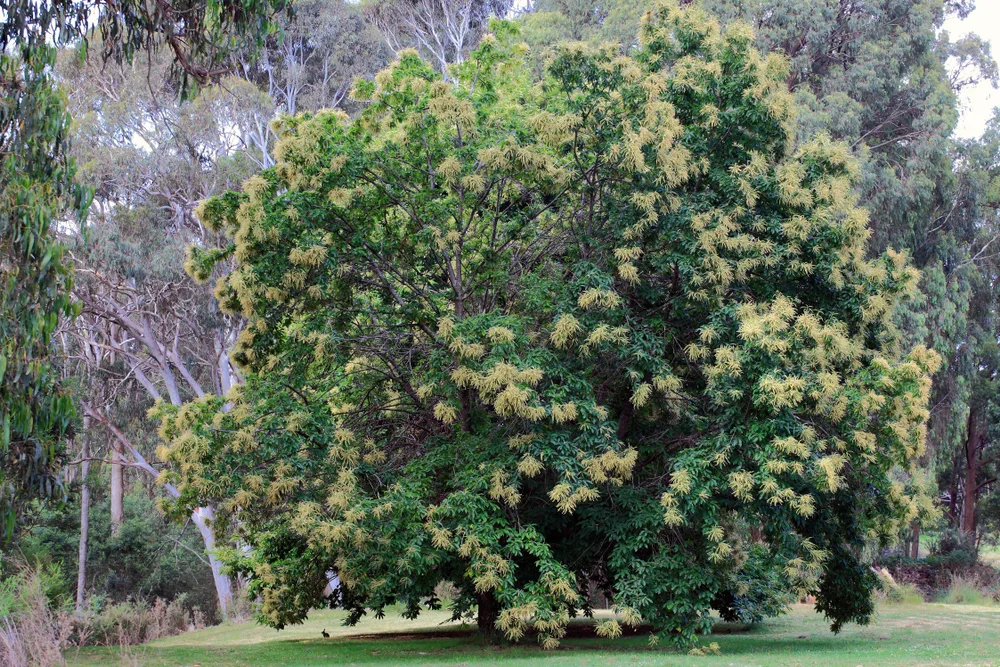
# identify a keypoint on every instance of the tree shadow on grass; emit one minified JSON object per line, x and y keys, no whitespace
{"x":463,"y":647}
{"x":577,"y":629}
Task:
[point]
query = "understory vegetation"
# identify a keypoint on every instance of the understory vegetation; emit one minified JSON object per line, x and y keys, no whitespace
{"x":40,"y":624}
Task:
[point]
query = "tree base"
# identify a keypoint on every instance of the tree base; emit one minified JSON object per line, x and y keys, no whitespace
{"x":486,"y":618}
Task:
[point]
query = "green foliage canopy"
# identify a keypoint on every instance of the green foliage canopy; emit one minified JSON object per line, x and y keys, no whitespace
{"x":36,"y":192}
{"x":614,"y":326}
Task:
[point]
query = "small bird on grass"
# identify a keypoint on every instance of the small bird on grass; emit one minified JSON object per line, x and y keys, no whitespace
{"x":326,"y":635}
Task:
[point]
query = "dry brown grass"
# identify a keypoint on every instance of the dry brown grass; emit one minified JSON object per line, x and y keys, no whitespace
{"x":37,"y":635}
{"x":135,"y":622}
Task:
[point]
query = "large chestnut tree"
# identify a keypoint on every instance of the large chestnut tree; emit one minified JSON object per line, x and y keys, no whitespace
{"x":611,"y":328}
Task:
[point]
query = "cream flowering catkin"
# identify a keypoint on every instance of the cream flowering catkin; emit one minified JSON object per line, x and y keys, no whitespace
{"x":611,"y":328}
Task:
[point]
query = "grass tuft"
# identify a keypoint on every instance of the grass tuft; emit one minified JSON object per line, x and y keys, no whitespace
{"x":965,"y":590}
{"x":903,"y":594}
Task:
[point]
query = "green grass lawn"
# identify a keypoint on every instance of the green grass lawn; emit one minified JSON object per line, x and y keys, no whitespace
{"x":910,"y":635}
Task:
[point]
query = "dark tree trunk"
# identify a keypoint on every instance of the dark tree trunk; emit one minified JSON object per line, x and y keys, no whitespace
{"x":969,"y":502}
{"x":624,"y":420}
{"x":953,"y":494}
{"x":915,"y":543}
{"x":970,"y":490}
{"x":486,"y":618}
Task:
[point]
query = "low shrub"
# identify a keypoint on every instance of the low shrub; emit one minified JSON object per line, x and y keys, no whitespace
{"x":890,"y":591}
{"x":967,"y":590}
{"x":13,"y":653}
{"x":38,"y":623}
{"x":241,"y":610}
{"x":954,"y":549}
{"x":133,"y":622}
{"x":149,"y":556}
{"x":951,"y":572}
{"x":446,"y":591}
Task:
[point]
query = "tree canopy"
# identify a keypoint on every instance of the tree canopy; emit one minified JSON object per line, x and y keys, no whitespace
{"x":616,"y":326}
{"x":200,"y":34}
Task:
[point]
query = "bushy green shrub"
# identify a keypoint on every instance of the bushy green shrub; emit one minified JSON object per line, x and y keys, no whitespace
{"x":954,"y":549}
{"x":48,"y":579}
{"x":35,"y":624}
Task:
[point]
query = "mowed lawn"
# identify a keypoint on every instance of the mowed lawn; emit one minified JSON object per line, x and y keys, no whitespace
{"x":910,"y":635}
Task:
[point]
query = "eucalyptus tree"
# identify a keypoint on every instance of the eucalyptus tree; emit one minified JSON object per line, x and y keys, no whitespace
{"x":37,"y":192}
{"x":321,"y":50}
{"x":199,"y":35}
{"x":968,"y":470}
{"x":444,"y":31}
{"x":310,"y":65}
{"x":614,"y":326}
{"x":146,"y":332}
{"x":37,"y":189}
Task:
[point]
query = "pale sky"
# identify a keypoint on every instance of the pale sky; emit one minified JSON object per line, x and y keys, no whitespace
{"x":978,"y":102}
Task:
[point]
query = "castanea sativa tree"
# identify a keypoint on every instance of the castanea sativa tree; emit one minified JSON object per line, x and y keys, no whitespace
{"x":612,"y":328}
{"x":145,"y":332}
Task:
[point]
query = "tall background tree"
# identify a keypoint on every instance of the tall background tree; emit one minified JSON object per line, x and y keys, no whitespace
{"x":39,"y":190}
{"x":444,"y":31}
{"x":315,"y":60}
{"x":967,"y":261}
{"x":144,"y":331}
{"x":39,"y":193}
